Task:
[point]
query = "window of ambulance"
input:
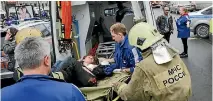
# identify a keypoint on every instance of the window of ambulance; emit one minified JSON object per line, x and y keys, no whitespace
{"x":45,"y":32}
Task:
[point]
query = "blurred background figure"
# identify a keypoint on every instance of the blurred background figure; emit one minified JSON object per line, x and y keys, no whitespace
{"x":23,"y":13}
{"x":9,"y":46}
{"x":165,"y":23}
{"x":183,"y":29}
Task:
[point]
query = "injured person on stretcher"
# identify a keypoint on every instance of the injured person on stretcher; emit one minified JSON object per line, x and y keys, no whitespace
{"x":83,"y":73}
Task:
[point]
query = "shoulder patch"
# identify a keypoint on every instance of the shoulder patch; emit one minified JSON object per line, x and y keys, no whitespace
{"x":170,"y":76}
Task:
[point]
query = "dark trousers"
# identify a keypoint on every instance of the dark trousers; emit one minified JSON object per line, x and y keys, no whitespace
{"x":167,"y":36}
{"x":185,"y":45}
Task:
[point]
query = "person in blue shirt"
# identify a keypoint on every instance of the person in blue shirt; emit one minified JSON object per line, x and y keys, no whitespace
{"x":183,"y":29}
{"x":126,"y":56}
{"x":33,"y":56}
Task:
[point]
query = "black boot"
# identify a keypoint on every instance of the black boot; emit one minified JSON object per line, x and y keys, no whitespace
{"x":184,"y":55}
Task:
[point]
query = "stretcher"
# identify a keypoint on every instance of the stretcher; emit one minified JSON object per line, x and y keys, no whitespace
{"x":105,"y":49}
{"x":104,"y":90}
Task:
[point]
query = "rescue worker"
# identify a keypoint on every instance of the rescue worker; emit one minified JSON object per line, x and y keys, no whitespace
{"x":33,"y":56}
{"x":183,"y":30}
{"x":125,"y":56}
{"x":9,"y":46}
{"x":165,"y":24}
{"x":161,"y":75}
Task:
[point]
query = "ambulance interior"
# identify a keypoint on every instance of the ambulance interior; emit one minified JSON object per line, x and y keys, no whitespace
{"x":91,"y":21}
{"x":96,"y":17}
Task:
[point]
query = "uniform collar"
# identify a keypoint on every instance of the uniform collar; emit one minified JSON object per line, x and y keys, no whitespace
{"x":34,"y":76}
{"x":124,"y":43}
{"x":171,"y":51}
{"x":146,"y":53}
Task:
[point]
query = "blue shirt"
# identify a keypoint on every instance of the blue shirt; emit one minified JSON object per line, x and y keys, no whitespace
{"x":125,"y":56}
{"x":183,"y":30}
{"x":41,"y":88}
